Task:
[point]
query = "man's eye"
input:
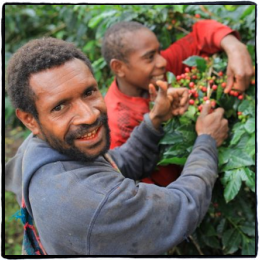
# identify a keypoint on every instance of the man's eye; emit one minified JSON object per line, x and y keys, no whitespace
{"x":58,"y":108}
{"x":90,"y":91}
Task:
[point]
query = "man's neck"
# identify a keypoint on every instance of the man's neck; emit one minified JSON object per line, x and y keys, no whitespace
{"x":131,"y":90}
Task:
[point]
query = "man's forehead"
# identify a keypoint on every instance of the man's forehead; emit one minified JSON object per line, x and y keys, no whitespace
{"x":58,"y":75}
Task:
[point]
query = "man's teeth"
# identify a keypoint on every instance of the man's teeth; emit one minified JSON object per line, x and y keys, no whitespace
{"x":89,"y":135}
{"x":161,"y":77}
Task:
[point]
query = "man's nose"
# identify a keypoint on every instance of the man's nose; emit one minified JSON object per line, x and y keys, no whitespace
{"x":160,"y":61}
{"x":84,"y":113}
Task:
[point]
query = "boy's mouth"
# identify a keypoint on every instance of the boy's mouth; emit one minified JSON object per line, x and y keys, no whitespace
{"x":159,"y":77}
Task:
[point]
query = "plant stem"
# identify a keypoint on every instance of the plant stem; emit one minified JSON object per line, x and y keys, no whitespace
{"x":196,"y":245}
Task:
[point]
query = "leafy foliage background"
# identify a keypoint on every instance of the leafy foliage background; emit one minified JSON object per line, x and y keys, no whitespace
{"x":229,"y":227}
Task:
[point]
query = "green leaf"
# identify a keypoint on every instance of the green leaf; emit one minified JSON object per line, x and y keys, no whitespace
{"x":221,"y":226}
{"x":171,"y":138}
{"x":236,"y":137}
{"x":232,"y":182}
{"x":231,"y":241}
{"x":248,"y":229}
{"x":236,"y":159}
{"x":248,"y":177}
{"x":248,"y":246}
{"x":196,"y":61}
{"x":248,"y":11}
{"x":170,"y":77}
{"x":187,"y":132}
{"x":223,"y":155}
{"x":93,"y":22}
{"x":178,"y":8}
{"x":250,"y":125}
{"x":190,"y":113}
{"x":174,"y":160}
{"x":247,"y":107}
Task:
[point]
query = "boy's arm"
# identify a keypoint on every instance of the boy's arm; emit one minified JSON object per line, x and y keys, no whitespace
{"x":205,"y":38}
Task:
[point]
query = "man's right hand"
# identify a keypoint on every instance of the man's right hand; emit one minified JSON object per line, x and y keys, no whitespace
{"x":212,"y":124}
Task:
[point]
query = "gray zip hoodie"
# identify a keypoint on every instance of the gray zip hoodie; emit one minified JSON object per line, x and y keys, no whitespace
{"x":88,"y":208}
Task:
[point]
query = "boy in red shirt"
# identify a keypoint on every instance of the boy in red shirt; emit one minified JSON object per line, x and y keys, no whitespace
{"x":133,"y":53}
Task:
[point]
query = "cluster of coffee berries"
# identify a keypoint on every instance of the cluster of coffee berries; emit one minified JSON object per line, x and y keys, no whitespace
{"x":241,"y":116}
{"x":204,"y":85}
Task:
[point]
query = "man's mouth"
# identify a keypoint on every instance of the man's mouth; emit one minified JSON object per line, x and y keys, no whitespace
{"x":90,"y":135}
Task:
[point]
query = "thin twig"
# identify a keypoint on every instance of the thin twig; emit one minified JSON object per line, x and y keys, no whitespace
{"x":181,"y":29}
{"x":196,"y":245}
{"x":205,"y":10}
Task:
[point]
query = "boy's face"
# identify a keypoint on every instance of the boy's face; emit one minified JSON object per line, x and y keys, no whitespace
{"x":145,"y":64}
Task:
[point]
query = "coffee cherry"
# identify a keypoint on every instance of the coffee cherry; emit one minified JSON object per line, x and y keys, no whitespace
{"x":211,"y":81}
{"x":191,"y":84}
{"x":252,"y":82}
{"x":235,"y":94}
{"x":178,"y":77}
{"x":213,"y":103}
{"x":191,"y":102}
{"x":220,"y":73}
{"x":214,"y":87}
{"x":223,"y":85}
{"x":239,"y":113}
{"x":169,"y":27}
{"x":204,"y":89}
{"x":197,"y":15}
{"x":240,"y":97}
{"x":187,"y":69}
{"x":231,"y":93}
{"x":205,"y":98}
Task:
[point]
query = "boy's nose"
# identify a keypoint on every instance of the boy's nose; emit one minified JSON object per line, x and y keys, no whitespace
{"x":160,"y":61}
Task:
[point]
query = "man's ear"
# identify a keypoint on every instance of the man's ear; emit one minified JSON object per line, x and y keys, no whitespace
{"x":117,"y":66}
{"x":28,"y":120}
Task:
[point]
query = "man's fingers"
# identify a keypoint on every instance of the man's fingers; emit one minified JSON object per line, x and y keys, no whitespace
{"x":205,"y":109}
{"x":220,"y":111}
{"x":163,"y":86}
{"x":230,"y":82}
{"x":152,"y":92}
{"x":184,"y":97}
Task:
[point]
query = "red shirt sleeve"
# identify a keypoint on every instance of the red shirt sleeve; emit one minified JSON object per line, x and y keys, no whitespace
{"x":204,"y":39}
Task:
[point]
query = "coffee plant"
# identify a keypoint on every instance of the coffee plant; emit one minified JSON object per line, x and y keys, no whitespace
{"x":228,"y":227}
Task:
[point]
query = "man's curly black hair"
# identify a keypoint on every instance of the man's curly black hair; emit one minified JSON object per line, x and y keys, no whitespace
{"x":114,"y":45}
{"x":33,"y":57}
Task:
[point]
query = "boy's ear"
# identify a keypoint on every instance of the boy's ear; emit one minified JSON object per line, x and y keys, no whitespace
{"x":117,"y":66}
{"x":28,"y":120}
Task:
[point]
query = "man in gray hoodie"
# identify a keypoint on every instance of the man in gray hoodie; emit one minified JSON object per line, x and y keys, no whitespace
{"x":83,"y":198}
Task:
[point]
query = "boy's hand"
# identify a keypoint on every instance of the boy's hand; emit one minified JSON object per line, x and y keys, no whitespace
{"x":212,"y":124}
{"x":168,"y":102}
{"x":240,"y":69}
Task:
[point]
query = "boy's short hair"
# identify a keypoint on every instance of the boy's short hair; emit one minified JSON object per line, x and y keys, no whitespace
{"x":113,"y":45}
{"x":33,"y":57}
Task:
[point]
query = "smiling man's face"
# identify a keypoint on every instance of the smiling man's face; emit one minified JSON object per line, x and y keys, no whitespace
{"x":71,"y":110}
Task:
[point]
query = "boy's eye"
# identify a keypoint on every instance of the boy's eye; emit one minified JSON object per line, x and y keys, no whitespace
{"x":150,"y":57}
